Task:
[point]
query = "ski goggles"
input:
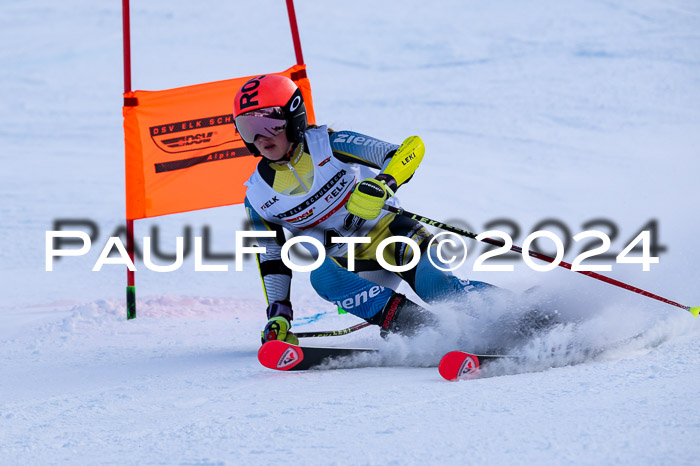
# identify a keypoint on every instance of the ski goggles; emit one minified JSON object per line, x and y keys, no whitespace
{"x":268,"y":122}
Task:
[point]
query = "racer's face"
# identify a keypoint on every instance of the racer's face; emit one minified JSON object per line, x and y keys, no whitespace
{"x":273,"y":147}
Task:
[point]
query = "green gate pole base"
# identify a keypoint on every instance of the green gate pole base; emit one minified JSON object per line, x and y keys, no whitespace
{"x":130,"y":302}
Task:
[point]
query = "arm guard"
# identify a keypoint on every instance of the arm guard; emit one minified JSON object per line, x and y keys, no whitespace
{"x":405,"y":161}
{"x":397,"y":163}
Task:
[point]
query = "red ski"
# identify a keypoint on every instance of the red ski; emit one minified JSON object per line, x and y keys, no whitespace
{"x":457,"y":365}
{"x":282,"y":356}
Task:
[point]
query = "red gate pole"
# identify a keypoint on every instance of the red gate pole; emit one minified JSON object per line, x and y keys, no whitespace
{"x":130,"y":276}
{"x":295,"y":32}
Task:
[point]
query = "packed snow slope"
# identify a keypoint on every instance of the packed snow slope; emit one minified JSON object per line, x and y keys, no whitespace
{"x":583,"y":113}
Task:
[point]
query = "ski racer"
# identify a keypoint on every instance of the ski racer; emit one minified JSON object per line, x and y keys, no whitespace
{"x":317,"y":182}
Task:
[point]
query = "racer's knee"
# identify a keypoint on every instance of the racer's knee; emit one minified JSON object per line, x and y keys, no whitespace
{"x":349,"y":291}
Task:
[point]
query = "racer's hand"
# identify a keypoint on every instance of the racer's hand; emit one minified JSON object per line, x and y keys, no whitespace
{"x":368,"y":197}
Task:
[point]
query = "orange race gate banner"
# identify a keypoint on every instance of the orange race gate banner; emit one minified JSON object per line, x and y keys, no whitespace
{"x":182,"y":150}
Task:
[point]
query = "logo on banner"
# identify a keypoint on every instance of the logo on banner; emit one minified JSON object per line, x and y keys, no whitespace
{"x":199,"y":135}
{"x":184,"y":141}
{"x":202,"y":133}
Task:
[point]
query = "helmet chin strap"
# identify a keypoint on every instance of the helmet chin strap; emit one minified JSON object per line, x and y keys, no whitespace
{"x":292,"y":151}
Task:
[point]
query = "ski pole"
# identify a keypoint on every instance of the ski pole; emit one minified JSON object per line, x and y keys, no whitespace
{"x":398,"y":211}
{"x":332,"y":333}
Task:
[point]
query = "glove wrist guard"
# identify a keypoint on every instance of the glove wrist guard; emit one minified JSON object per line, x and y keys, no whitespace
{"x":389,"y":181}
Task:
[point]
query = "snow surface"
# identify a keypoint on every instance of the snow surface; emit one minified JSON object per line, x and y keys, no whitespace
{"x":529,"y":110}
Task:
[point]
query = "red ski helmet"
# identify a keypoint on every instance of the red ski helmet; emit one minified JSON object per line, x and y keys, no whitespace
{"x":281,"y":96}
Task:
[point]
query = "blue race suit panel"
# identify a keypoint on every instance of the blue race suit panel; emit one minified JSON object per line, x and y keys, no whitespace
{"x":365,"y":299}
{"x":348,"y":290}
{"x":433,"y":284}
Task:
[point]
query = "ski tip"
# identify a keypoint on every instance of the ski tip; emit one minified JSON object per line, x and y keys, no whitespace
{"x":457,"y":365}
{"x":694,"y":310}
{"x":279,"y":355}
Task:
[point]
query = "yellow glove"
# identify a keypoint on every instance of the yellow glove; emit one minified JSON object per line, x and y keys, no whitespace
{"x":368,"y":197}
